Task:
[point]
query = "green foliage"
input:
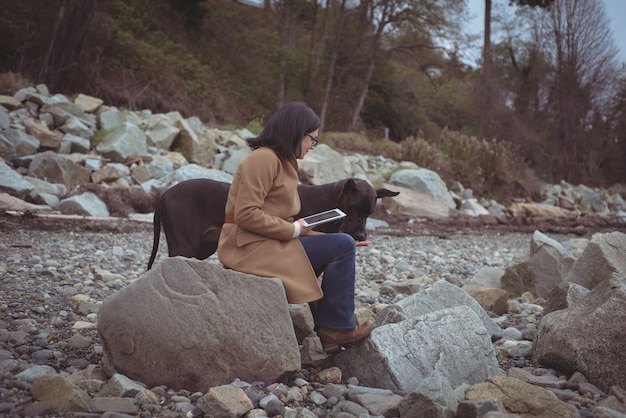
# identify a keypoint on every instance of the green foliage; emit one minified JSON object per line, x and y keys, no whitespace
{"x":99,"y":136}
{"x":255,"y":126}
{"x":391,"y":103}
{"x":147,"y":61}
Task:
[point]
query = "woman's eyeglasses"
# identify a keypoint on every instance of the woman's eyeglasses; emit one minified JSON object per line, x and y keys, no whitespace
{"x":314,"y":139}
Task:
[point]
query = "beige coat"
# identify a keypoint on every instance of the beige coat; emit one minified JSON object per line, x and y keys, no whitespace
{"x":263,"y":199}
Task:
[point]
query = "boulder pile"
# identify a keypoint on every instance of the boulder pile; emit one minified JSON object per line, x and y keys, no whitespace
{"x":66,"y":154}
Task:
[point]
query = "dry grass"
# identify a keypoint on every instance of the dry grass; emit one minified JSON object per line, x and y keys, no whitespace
{"x":12,"y":82}
{"x":122,"y":202}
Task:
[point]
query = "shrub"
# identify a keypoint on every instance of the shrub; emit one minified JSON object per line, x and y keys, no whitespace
{"x":425,"y":154}
{"x":491,"y":168}
{"x":349,"y":141}
{"x":388,"y":148}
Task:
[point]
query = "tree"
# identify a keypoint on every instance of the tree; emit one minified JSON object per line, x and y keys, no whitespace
{"x":486,"y":74}
{"x":62,"y":59}
{"x":334,"y":55}
{"x":486,"y":79}
{"x":586,"y":68}
{"x":380,"y":17}
{"x":287,"y":28}
{"x":523,"y":72}
{"x":615,"y":167}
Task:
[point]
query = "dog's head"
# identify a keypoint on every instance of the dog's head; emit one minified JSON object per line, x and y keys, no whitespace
{"x":358,"y":200}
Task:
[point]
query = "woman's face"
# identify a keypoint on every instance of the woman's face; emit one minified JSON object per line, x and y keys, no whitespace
{"x":308,"y":143}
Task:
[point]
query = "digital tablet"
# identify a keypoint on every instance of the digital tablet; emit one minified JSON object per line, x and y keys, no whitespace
{"x":323,"y":217}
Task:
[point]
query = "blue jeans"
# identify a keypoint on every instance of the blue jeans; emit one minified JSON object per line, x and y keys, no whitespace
{"x":334,"y":255}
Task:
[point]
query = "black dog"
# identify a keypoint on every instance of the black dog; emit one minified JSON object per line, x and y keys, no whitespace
{"x":192,"y":212}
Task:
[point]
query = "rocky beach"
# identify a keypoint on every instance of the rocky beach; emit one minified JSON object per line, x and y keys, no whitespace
{"x":481,"y":309}
{"x":55,"y":273}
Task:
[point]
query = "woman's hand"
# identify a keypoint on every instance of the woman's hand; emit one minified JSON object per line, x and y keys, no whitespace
{"x":304,"y":230}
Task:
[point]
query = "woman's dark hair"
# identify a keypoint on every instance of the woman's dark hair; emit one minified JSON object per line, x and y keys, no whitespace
{"x":284,"y":131}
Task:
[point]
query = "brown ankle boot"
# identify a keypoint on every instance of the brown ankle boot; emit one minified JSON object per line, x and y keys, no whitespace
{"x":332,"y":339}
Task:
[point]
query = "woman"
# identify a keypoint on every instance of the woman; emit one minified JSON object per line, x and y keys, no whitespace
{"x":261,"y":237}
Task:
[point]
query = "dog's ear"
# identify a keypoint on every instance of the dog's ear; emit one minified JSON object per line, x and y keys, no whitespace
{"x":385,"y":193}
{"x":349,"y":186}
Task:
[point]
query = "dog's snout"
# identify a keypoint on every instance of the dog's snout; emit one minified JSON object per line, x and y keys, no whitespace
{"x":361,"y":237}
{"x":355,"y":227}
{"x":358,"y":235}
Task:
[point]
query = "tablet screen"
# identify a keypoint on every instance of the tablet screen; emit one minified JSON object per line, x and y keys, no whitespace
{"x":323,"y":217}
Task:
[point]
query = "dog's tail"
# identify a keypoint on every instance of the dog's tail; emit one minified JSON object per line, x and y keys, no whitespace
{"x":157,"y":234}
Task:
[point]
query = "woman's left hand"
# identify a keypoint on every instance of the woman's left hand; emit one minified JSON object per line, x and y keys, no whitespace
{"x":363,"y":243}
{"x":304,"y":230}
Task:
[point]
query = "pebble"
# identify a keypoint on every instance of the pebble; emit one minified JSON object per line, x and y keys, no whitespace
{"x":50,"y":293}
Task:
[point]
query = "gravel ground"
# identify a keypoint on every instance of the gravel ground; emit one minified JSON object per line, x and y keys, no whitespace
{"x":53,"y":270}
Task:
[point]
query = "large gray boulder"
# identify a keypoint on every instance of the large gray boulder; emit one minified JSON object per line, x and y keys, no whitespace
{"x":195,"y":141}
{"x":7,"y":103}
{"x":109,"y":118}
{"x":110,"y":173}
{"x":441,"y":295}
{"x":487,"y":277}
{"x":56,"y":168}
{"x":546,"y":268}
{"x":46,"y":137}
{"x":125,"y":141}
{"x":192,"y":324}
{"x":589,"y":337}
{"x":89,"y":103}
{"x":415,"y":204}
{"x":12,"y":181}
{"x":604,"y":255}
{"x":161,"y":129}
{"x":422,"y":194}
{"x":324,"y":165}
{"x":76,"y":126}
{"x":425,"y":181}
{"x":421,"y":180}
{"x":41,"y":190}
{"x":76,"y":143}
{"x":400,"y":356}
{"x":63,"y":110}
{"x":550,"y":262}
{"x":564,"y":296}
{"x":15,"y":143}
{"x":86,"y":204}
{"x":232,"y":159}
{"x":434,"y":398}
{"x":8,"y":202}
